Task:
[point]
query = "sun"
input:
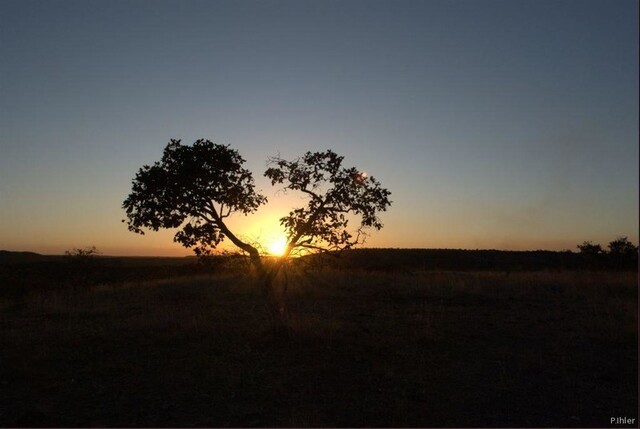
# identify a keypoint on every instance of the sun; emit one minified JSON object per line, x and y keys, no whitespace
{"x":278,"y":246}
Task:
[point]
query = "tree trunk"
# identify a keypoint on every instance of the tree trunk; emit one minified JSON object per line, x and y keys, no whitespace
{"x":276,"y":305}
{"x":275,"y":300}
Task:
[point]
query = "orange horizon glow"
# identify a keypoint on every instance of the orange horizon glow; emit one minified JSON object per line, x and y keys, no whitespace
{"x":403,"y":229}
{"x":175,"y":250}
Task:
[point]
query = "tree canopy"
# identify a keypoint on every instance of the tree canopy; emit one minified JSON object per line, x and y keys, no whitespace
{"x":621,"y":246}
{"x":589,"y":248}
{"x":334,"y":193}
{"x":195,"y":188}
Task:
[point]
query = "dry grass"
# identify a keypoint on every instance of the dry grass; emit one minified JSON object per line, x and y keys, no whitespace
{"x":369,"y":349}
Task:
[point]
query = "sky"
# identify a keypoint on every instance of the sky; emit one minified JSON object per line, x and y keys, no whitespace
{"x":495,"y":124}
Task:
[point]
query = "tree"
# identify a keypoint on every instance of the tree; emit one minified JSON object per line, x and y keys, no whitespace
{"x":195,"y":188}
{"x":81,"y":255}
{"x":334,"y":193}
{"x":621,"y":246}
{"x":82,"y":265}
{"x":588,"y":248}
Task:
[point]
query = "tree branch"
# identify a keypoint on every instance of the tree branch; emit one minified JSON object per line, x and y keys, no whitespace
{"x":252,"y":251}
{"x":292,"y":243}
{"x":313,"y":194}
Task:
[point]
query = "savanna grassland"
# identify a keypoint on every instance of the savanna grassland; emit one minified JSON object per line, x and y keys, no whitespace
{"x":368,"y":348}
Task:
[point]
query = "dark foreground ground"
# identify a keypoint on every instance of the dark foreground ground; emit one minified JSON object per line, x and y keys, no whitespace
{"x":422,"y":349}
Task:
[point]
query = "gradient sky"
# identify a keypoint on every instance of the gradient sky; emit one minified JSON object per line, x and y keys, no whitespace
{"x":495,"y":124}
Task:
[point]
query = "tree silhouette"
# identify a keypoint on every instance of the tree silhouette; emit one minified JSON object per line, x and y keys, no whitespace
{"x":334,"y":193}
{"x":588,"y":248}
{"x":82,"y":265}
{"x":622,"y":247}
{"x":81,"y":255}
{"x":196,"y":188}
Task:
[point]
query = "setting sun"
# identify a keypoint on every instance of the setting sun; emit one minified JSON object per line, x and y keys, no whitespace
{"x":277,"y":246}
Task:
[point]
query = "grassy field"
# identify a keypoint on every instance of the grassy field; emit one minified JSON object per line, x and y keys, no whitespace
{"x":422,"y":349}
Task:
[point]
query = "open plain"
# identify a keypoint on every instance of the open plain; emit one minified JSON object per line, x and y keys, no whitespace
{"x":368,"y":348}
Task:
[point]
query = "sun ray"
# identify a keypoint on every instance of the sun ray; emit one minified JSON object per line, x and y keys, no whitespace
{"x":277,"y":246}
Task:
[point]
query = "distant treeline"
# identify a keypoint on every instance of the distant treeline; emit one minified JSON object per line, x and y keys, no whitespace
{"x":477,"y":260}
{"x":21,"y":272}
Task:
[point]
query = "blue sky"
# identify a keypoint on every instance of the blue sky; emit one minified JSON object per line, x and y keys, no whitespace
{"x":495,"y":124}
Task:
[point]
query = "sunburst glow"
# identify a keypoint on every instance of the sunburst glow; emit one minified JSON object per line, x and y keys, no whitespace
{"x":277,"y":246}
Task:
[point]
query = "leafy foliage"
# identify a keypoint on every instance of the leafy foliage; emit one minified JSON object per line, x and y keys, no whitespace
{"x":335,"y":193}
{"x":589,"y":248}
{"x":195,"y":187}
{"x":621,"y":246}
{"x":80,"y":255}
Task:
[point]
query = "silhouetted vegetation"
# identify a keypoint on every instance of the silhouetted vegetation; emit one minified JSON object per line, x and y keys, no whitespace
{"x":82,"y":267}
{"x":22,"y":272}
{"x":195,"y":188}
{"x":622,"y":247}
{"x":589,"y":248}
{"x":334,"y":193}
{"x":622,"y":254}
{"x":377,"y":337}
{"x":78,"y":255}
{"x":368,"y":349}
{"x":416,"y":260}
